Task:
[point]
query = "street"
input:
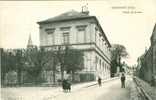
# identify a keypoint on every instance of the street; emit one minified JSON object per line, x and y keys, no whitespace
{"x":110,"y":90}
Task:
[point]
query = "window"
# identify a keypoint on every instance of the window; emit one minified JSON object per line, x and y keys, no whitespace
{"x":50,"y":35}
{"x":96,"y":62}
{"x":99,"y":44}
{"x":66,"y":38}
{"x":51,"y":39}
{"x":100,"y":64}
{"x":65,"y":31}
{"x":103,"y":45}
{"x":81,"y":38}
{"x":103,"y":66}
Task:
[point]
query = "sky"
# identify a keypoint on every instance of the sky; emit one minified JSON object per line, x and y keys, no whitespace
{"x":126,"y":22}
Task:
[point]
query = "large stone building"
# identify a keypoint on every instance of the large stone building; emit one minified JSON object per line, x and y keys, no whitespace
{"x":80,"y":31}
{"x":153,"y":45}
{"x":147,"y":62}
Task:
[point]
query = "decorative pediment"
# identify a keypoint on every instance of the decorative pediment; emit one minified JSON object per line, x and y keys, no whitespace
{"x":81,"y":27}
{"x":50,"y":30}
{"x":65,"y":28}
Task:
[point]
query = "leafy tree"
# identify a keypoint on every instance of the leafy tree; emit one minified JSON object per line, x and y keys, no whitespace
{"x":7,"y":63}
{"x":117,"y":53}
{"x":74,"y":61}
{"x":52,"y":64}
{"x":19,"y":61}
{"x":71,"y":60}
{"x":37,"y":59}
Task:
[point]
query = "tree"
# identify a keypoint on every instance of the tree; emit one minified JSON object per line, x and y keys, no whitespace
{"x":74,"y":61}
{"x":19,"y":62}
{"x":37,"y":59}
{"x":71,"y":60}
{"x":7,"y":63}
{"x":52,"y":64}
{"x":117,"y":53}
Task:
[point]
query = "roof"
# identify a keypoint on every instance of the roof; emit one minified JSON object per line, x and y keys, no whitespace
{"x":66,"y":16}
{"x":154,"y":30}
{"x":73,"y":15}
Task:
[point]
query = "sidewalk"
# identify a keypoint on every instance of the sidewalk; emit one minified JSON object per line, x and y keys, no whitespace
{"x":76,"y":87}
{"x":40,"y":93}
{"x":151,"y":91}
{"x":85,"y":85}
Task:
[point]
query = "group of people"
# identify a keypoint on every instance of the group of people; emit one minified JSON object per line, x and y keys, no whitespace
{"x":66,"y":85}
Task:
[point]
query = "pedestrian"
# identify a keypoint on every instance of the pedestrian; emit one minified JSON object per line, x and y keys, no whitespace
{"x":64,"y":85}
{"x":153,"y":81}
{"x":68,"y":86}
{"x":99,"y":81}
{"x":123,"y":78}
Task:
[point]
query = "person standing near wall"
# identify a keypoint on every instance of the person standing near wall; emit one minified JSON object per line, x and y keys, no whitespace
{"x":123,"y":78}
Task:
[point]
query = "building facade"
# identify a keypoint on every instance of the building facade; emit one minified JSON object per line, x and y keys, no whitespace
{"x":153,"y":46}
{"x":80,"y":31}
{"x":147,"y":62}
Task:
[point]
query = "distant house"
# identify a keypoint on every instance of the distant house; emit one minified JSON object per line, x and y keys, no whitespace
{"x":81,"y":31}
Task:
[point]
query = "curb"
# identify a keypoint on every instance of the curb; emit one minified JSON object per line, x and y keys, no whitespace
{"x":103,"y":81}
{"x":133,"y":92}
{"x":140,"y":89}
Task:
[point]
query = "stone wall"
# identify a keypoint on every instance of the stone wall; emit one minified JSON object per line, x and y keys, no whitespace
{"x":153,"y":45}
{"x":154,"y":53}
{"x":148,"y":65}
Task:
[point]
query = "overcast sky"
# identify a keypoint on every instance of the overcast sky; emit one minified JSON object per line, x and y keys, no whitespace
{"x":133,"y":30}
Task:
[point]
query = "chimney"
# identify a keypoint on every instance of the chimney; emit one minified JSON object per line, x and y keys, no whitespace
{"x":85,"y":10}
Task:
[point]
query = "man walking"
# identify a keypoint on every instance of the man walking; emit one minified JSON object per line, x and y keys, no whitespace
{"x":123,"y":78}
{"x":99,"y":81}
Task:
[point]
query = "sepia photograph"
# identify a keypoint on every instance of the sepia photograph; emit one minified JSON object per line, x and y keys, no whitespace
{"x":78,"y":50}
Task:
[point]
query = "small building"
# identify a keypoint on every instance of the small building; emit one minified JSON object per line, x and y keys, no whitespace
{"x":81,"y":31}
